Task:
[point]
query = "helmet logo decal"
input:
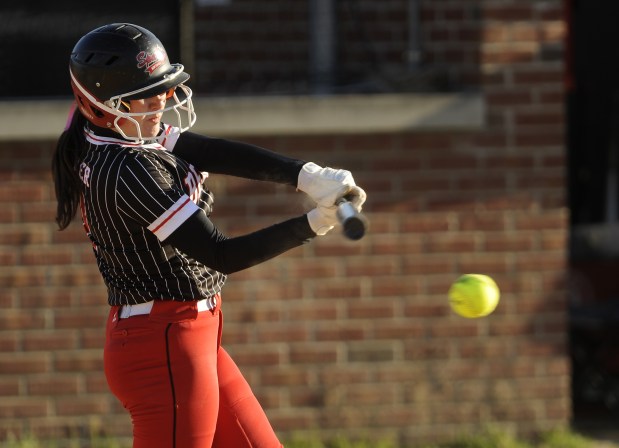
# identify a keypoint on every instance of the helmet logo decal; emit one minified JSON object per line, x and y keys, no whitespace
{"x":151,"y":61}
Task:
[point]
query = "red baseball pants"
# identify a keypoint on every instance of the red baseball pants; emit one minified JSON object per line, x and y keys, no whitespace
{"x":181,"y":388}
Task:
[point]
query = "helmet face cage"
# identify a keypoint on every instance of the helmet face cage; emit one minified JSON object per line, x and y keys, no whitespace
{"x":116,"y":63}
{"x":180,"y":114}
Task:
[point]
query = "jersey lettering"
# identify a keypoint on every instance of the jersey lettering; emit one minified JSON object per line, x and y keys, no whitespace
{"x":193,"y":182}
{"x":85,"y":174}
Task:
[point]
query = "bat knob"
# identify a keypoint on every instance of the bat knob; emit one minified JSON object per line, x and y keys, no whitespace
{"x":352,"y":222}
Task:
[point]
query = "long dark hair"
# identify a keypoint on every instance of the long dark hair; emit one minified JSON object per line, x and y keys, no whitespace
{"x":65,"y":169}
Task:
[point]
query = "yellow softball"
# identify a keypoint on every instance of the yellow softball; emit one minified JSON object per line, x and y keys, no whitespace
{"x":474,"y":295}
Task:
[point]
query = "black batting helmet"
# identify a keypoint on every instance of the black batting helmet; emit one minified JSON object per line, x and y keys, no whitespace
{"x":120,"y":62}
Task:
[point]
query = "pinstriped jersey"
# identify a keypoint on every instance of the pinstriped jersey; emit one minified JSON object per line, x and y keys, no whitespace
{"x":135,"y":196}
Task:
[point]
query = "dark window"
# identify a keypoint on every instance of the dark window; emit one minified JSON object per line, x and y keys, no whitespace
{"x":593,"y":150}
{"x":36,"y":38}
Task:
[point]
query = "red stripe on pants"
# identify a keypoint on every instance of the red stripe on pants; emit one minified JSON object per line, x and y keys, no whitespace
{"x":181,"y":388}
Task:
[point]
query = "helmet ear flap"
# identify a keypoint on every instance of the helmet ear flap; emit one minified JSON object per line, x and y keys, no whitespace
{"x":90,"y":111}
{"x":97,"y":112}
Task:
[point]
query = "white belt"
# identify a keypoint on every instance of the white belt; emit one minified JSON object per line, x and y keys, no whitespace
{"x":145,"y":308}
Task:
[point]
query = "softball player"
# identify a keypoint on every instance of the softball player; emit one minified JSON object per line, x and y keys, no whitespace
{"x":140,"y":186}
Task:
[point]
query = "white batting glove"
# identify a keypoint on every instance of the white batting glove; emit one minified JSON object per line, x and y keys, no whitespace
{"x":322,"y":219}
{"x":324,"y":185}
{"x":356,"y":196}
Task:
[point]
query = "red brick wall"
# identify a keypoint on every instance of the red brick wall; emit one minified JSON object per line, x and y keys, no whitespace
{"x":343,"y":337}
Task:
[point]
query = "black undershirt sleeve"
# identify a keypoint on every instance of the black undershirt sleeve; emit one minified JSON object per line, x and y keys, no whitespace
{"x":235,"y":158}
{"x":198,"y":238}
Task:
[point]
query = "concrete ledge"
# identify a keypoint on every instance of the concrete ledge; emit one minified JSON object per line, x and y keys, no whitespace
{"x":230,"y":117}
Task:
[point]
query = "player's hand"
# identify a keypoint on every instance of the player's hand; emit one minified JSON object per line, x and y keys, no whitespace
{"x":356,"y":196}
{"x":324,"y":185}
{"x":322,"y":219}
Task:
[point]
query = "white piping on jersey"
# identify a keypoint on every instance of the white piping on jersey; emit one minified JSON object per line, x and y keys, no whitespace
{"x":173,"y":217}
{"x":165,"y":140}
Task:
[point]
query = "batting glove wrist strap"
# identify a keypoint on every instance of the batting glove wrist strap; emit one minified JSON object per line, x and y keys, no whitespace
{"x":322,"y":219}
{"x":324,"y":185}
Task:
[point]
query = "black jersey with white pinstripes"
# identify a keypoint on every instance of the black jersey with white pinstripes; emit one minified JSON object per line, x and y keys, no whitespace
{"x":135,"y":196}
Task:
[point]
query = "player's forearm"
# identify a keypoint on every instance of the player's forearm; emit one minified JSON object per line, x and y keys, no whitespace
{"x":201,"y":240}
{"x":237,"y":159}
